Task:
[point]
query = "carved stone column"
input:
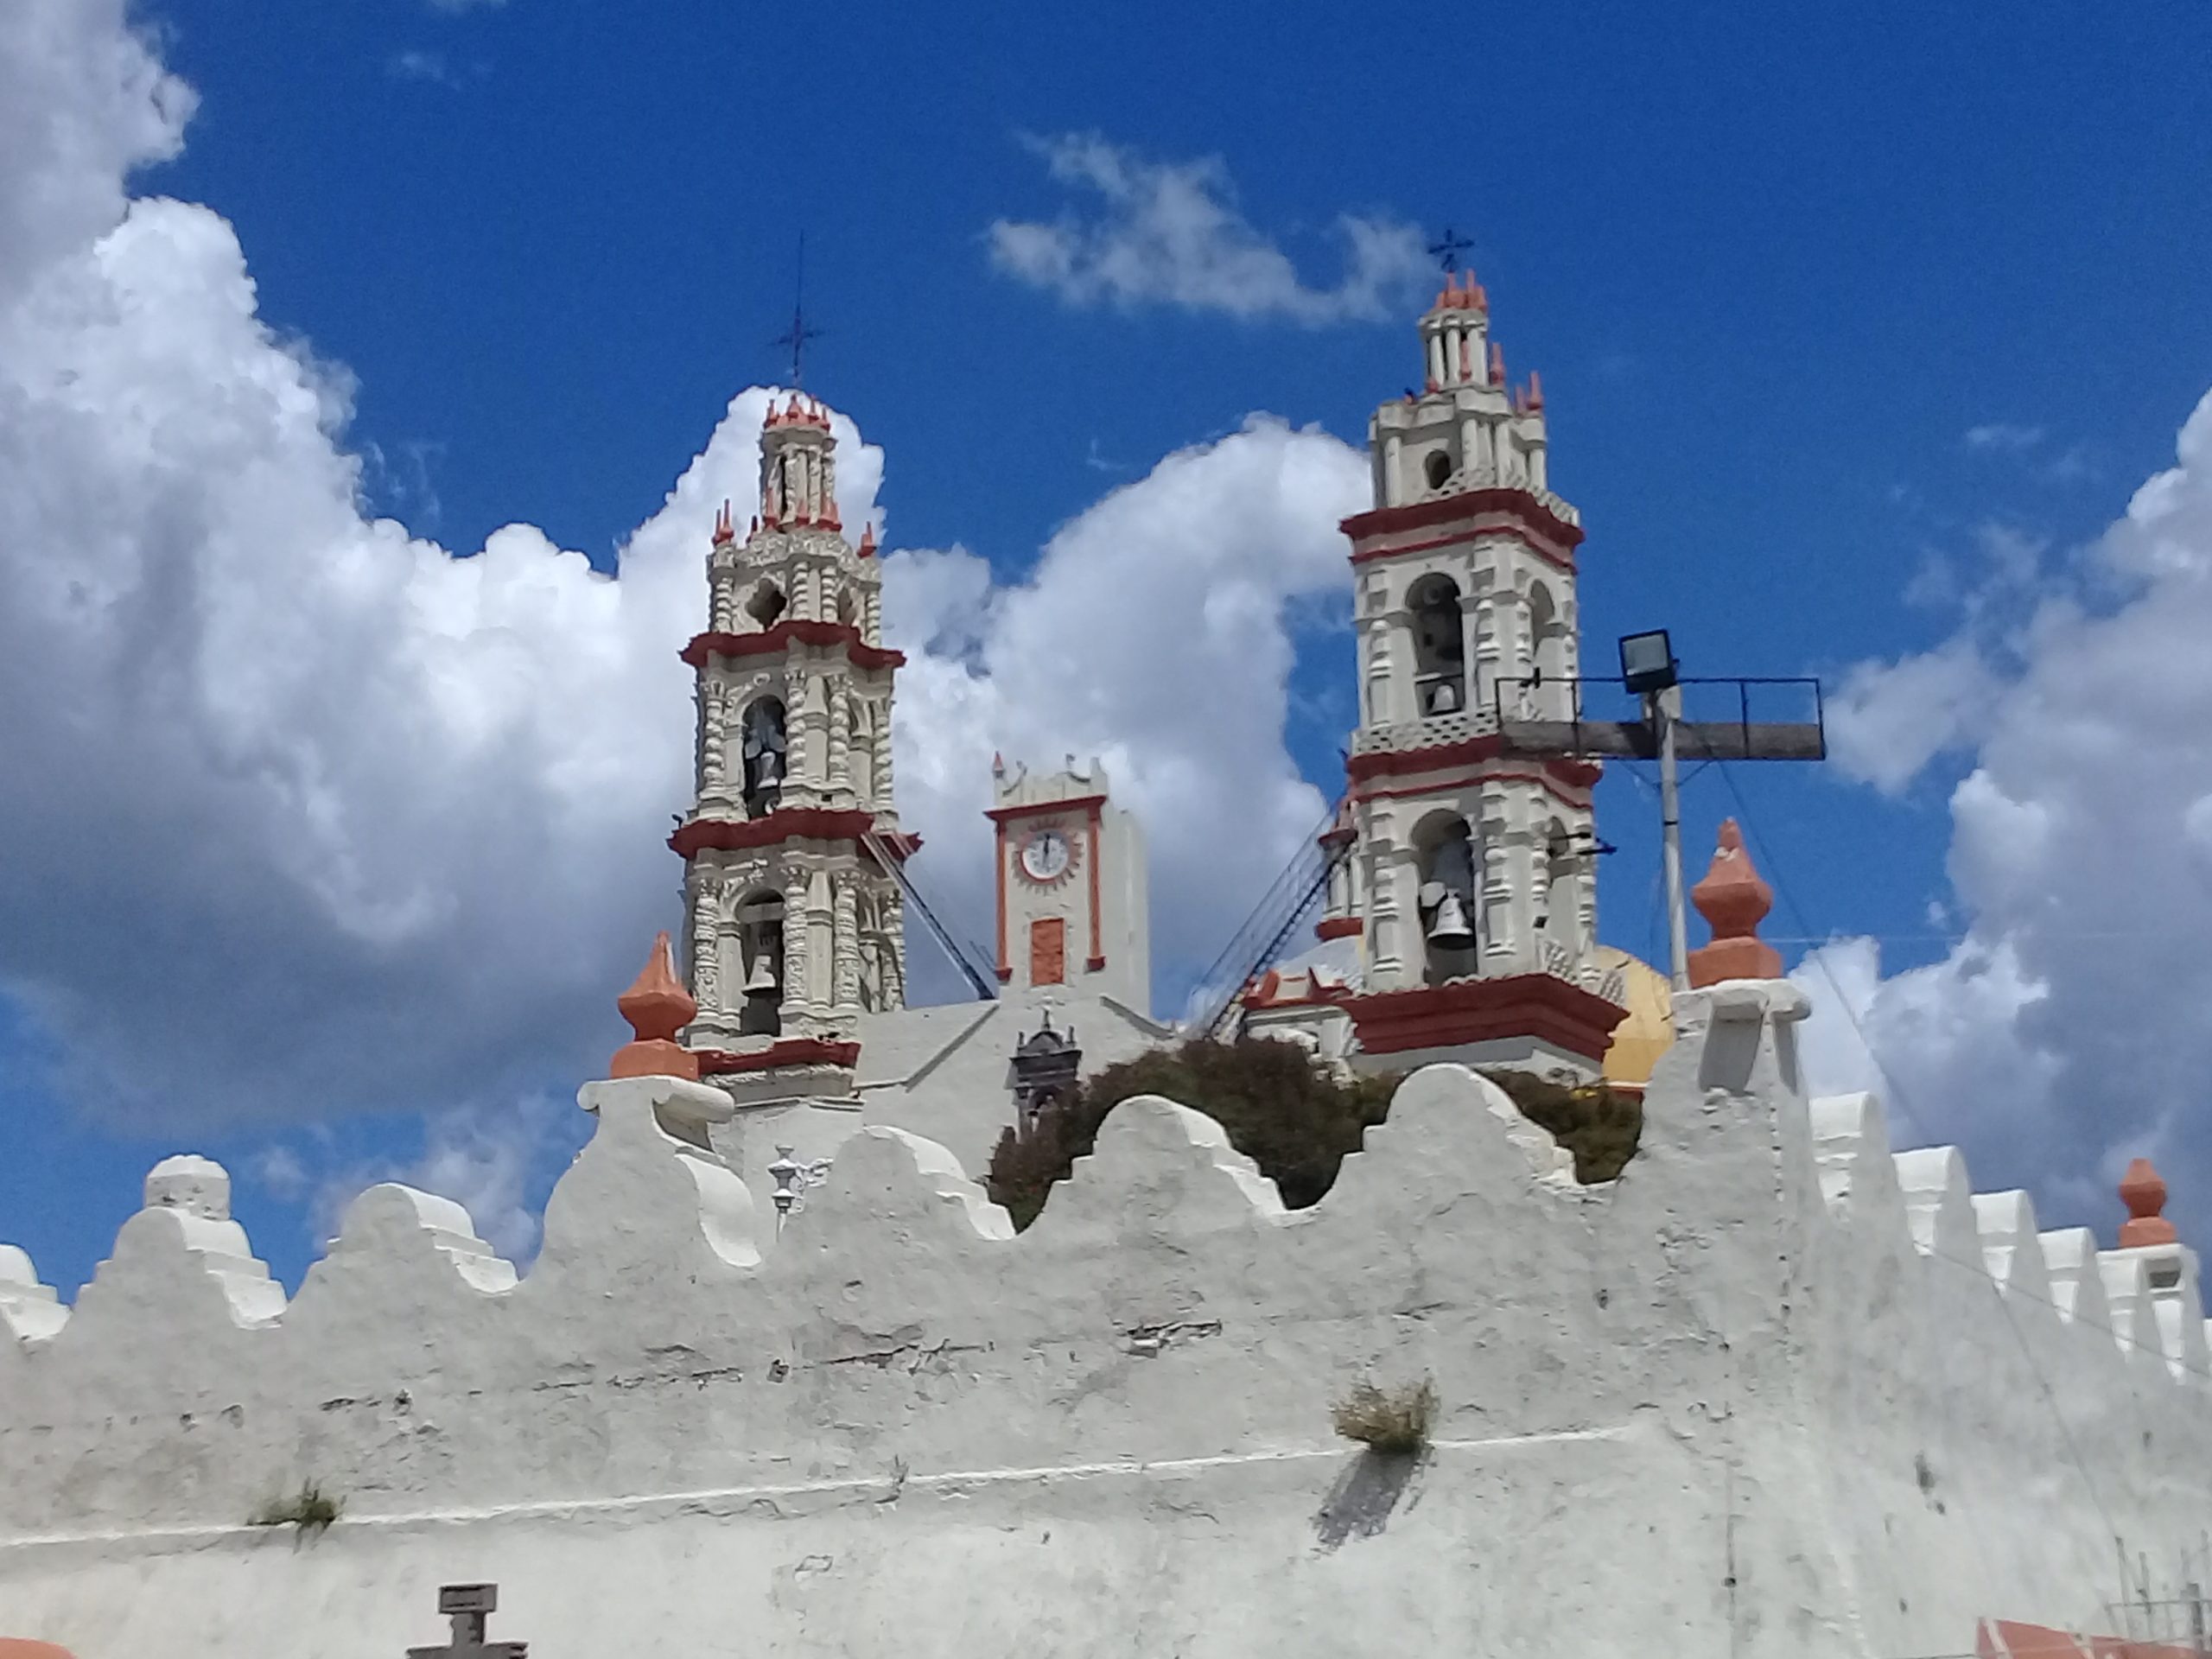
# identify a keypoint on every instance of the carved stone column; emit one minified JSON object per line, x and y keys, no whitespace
{"x":845,"y":993}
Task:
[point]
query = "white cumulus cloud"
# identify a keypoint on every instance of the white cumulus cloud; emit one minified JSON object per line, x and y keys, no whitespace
{"x":2068,"y":1030}
{"x":1171,"y":233}
{"x":308,"y":813}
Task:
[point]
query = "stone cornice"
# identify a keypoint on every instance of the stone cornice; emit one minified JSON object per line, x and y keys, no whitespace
{"x":787,"y":824}
{"x":1543,"y":1006}
{"x":1519,"y":507}
{"x":771,"y":640}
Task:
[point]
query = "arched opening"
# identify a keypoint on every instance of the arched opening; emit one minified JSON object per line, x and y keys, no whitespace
{"x":1553,"y":698}
{"x":1559,"y":898}
{"x":1437,"y":466}
{"x":847,"y":609}
{"x":1440,"y":646}
{"x":762,"y":733}
{"x":1449,"y":898}
{"x":766,"y":604}
{"x":760,"y":949}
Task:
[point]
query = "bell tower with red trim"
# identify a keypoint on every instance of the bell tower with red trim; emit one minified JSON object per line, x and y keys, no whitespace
{"x":1470,"y":878}
{"x":793,"y":923}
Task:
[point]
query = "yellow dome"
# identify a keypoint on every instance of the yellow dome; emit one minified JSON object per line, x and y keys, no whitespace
{"x":1648,"y":1031}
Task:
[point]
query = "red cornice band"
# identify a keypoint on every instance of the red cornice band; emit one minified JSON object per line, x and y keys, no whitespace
{"x":771,"y":640}
{"x":787,"y":1051}
{"x":786,"y":824}
{"x":1552,"y":1010}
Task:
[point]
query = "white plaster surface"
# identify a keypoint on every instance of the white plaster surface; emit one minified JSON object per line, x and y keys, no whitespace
{"x":1748,"y":1399}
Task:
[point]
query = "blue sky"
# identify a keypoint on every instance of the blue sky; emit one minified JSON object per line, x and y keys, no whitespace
{"x":1856,"y":326}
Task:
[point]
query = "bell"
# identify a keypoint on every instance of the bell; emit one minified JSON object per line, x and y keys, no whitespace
{"x":1444,"y":698}
{"x":761,"y":982}
{"x":771,"y":767}
{"x":1450,"y":931}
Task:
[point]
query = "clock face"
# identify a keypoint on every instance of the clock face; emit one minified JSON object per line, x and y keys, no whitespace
{"x":1045,"y":856}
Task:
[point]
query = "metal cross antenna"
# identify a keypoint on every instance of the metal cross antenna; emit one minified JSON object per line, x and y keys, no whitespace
{"x":799,"y":333}
{"x":1449,"y":247}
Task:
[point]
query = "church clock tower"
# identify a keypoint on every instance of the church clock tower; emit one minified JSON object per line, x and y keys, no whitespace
{"x":1470,"y":878}
{"x":793,"y":925}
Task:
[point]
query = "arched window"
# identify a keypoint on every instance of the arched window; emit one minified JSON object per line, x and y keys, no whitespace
{"x":1551,"y":697}
{"x":1559,"y":919}
{"x":1440,"y":646}
{"x":847,"y":607}
{"x":1437,"y":467}
{"x":766,"y":604}
{"x":760,"y":947}
{"x":761,"y":732}
{"x":1450,"y":896}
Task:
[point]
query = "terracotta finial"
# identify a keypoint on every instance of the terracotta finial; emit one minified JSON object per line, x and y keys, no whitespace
{"x":657,"y":1006}
{"x":868,"y":540}
{"x":1535,"y":392}
{"x":1733,"y":901}
{"x":1496,"y":364}
{"x":2142,"y":1190}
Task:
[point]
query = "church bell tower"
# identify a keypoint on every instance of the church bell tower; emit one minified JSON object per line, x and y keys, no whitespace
{"x":793,"y":923}
{"x":1470,"y":879}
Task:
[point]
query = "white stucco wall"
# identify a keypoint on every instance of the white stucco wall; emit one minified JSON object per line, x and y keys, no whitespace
{"x":1758,"y":1395}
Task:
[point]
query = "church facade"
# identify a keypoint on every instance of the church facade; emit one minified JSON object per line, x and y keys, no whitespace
{"x":1458,"y":912}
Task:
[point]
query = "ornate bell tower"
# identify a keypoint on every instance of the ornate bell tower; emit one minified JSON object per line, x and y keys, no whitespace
{"x":1470,"y":879}
{"x":793,"y":926}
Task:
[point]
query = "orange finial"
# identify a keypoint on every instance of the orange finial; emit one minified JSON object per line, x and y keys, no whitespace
{"x":2144,"y":1191}
{"x":657,"y":1006}
{"x":1496,"y":364}
{"x":1733,"y":900}
{"x":868,"y":540}
{"x":1535,"y":392}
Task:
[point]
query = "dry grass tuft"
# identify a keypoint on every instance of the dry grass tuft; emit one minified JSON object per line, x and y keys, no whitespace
{"x":311,"y":1509}
{"x":1392,"y":1420}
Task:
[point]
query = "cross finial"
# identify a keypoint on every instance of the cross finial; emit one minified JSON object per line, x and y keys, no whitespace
{"x":799,"y":333}
{"x":1448,"y":248}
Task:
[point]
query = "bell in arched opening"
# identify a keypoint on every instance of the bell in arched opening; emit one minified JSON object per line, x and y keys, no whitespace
{"x":1449,"y":931}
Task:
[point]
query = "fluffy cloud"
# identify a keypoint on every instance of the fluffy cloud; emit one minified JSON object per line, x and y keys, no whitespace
{"x":1170,"y":233}
{"x":309,"y":815}
{"x":1156,"y":633}
{"x":2068,"y":1030}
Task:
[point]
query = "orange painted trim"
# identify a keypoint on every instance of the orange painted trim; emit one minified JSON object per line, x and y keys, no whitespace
{"x":787,"y":1051}
{"x":1097,"y":950}
{"x":1044,"y":808}
{"x":1340,"y":927}
{"x":773,"y":640}
{"x":1482,"y":1010}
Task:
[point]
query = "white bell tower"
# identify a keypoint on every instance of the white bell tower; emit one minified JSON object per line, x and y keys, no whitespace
{"x":793,"y":925}
{"x":1470,"y":878}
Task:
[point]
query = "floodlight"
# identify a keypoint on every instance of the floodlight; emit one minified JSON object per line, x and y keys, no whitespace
{"x":1647,"y":661}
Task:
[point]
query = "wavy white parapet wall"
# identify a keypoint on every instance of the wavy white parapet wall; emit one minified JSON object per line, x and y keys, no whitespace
{"x":1776,"y":1384}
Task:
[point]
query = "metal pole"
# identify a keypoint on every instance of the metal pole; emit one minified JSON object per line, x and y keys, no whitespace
{"x":1666,"y":710}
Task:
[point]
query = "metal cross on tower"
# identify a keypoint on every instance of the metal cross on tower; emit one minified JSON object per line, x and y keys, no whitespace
{"x":468,"y":1606}
{"x":1449,"y":248}
{"x":1533,"y":721}
{"x":799,"y":333}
